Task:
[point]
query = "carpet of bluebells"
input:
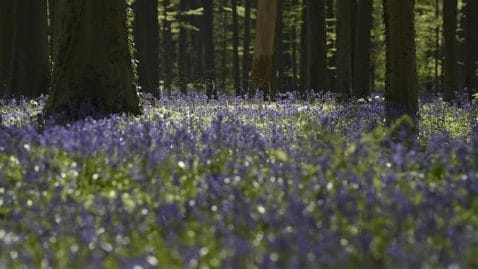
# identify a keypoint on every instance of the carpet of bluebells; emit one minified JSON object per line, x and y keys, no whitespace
{"x":239,"y":184}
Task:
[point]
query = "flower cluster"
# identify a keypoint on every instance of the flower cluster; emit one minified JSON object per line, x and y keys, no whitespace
{"x":239,"y":184}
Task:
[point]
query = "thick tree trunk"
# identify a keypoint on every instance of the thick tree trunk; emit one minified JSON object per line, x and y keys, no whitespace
{"x":361,"y":78}
{"x":471,"y":45}
{"x":168,"y":49}
{"x":183,"y":47}
{"x":235,"y":49}
{"x":246,"y":45}
{"x":6,"y":36}
{"x":209,"y":52}
{"x":401,"y":73}
{"x":263,"y":60}
{"x":146,"y":36}
{"x":29,"y":69}
{"x":344,"y":49}
{"x":318,"y":44}
{"x":92,"y":59}
{"x":449,"y":34}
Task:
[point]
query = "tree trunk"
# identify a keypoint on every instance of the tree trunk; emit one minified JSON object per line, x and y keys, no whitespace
{"x":279,"y":52}
{"x":235,"y":49}
{"x":318,"y":45}
{"x":449,"y":34}
{"x":263,"y":60}
{"x":305,"y":48}
{"x":197,"y":44}
{"x":182,"y":47}
{"x":209,"y":52}
{"x":146,"y":36}
{"x":471,"y":45}
{"x":29,"y":69}
{"x":92,"y":62}
{"x":332,"y":59}
{"x":363,"y":44}
{"x":401,"y":73}
{"x":225,"y":43}
{"x":344,"y":49}
{"x":168,"y":49}
{"x":6,"y":35}
{"x":246,"y":45}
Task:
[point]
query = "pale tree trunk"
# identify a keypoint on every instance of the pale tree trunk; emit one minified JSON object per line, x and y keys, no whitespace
{"x":364,"y":22}
{"x":146,"y":38}
{"x":344,"y":49}
{"x":263,"y":59}
{"x":449,"y":34}
{"x":29,"y":69}
{"x":401,"y":73}
{"x":92,"y":62}
{"x":6,"y":35}
{"x":318,"y":44}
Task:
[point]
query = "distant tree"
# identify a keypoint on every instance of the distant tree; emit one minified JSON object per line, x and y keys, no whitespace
{"x":262,"y":63}
{"x":6,"y":34}
{"x":209,"y":53}
{"x":183,"y":47}
{"x":401,"y":73}
{"x":92,"y":62}
{"x":344,"y":48}
{"x":363,"y":44}
{"x":449,"y":34}
{"x":246,"y":45}
{"x":331,"y":44}
{"x":471,"y":45}
{"x":235,"y":49}
{"x":305,"y":48}
{"x":168,"y":52}
{"x":27,"y":71}
{"x":146,"y":38}
{"x":318,"y":45}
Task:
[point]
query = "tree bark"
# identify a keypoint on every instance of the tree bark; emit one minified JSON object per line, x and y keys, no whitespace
{"x":235,"y":49}
{"x":471,"y":45}
{"x":318,"y":44}
{"x":6,"y":35}
{"x":305,"y":48}
{"x":401,"y":73}
{"x":29,"y":69}
{"x":263,"y":63}
{"x":332,"y":59}
{"x":246,"y":45}
{"x":449,"y":34}
{"x":209,"y":51}
{"x":168,"y":49}
{"x":183,"y":47}
{"x":146,"y":36}
{"x":364,"y":22}
{"x":344,"y":49}
{"x":92,"y":62}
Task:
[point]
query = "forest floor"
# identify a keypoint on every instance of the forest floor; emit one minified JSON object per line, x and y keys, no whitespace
{"x":239,"y":184}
